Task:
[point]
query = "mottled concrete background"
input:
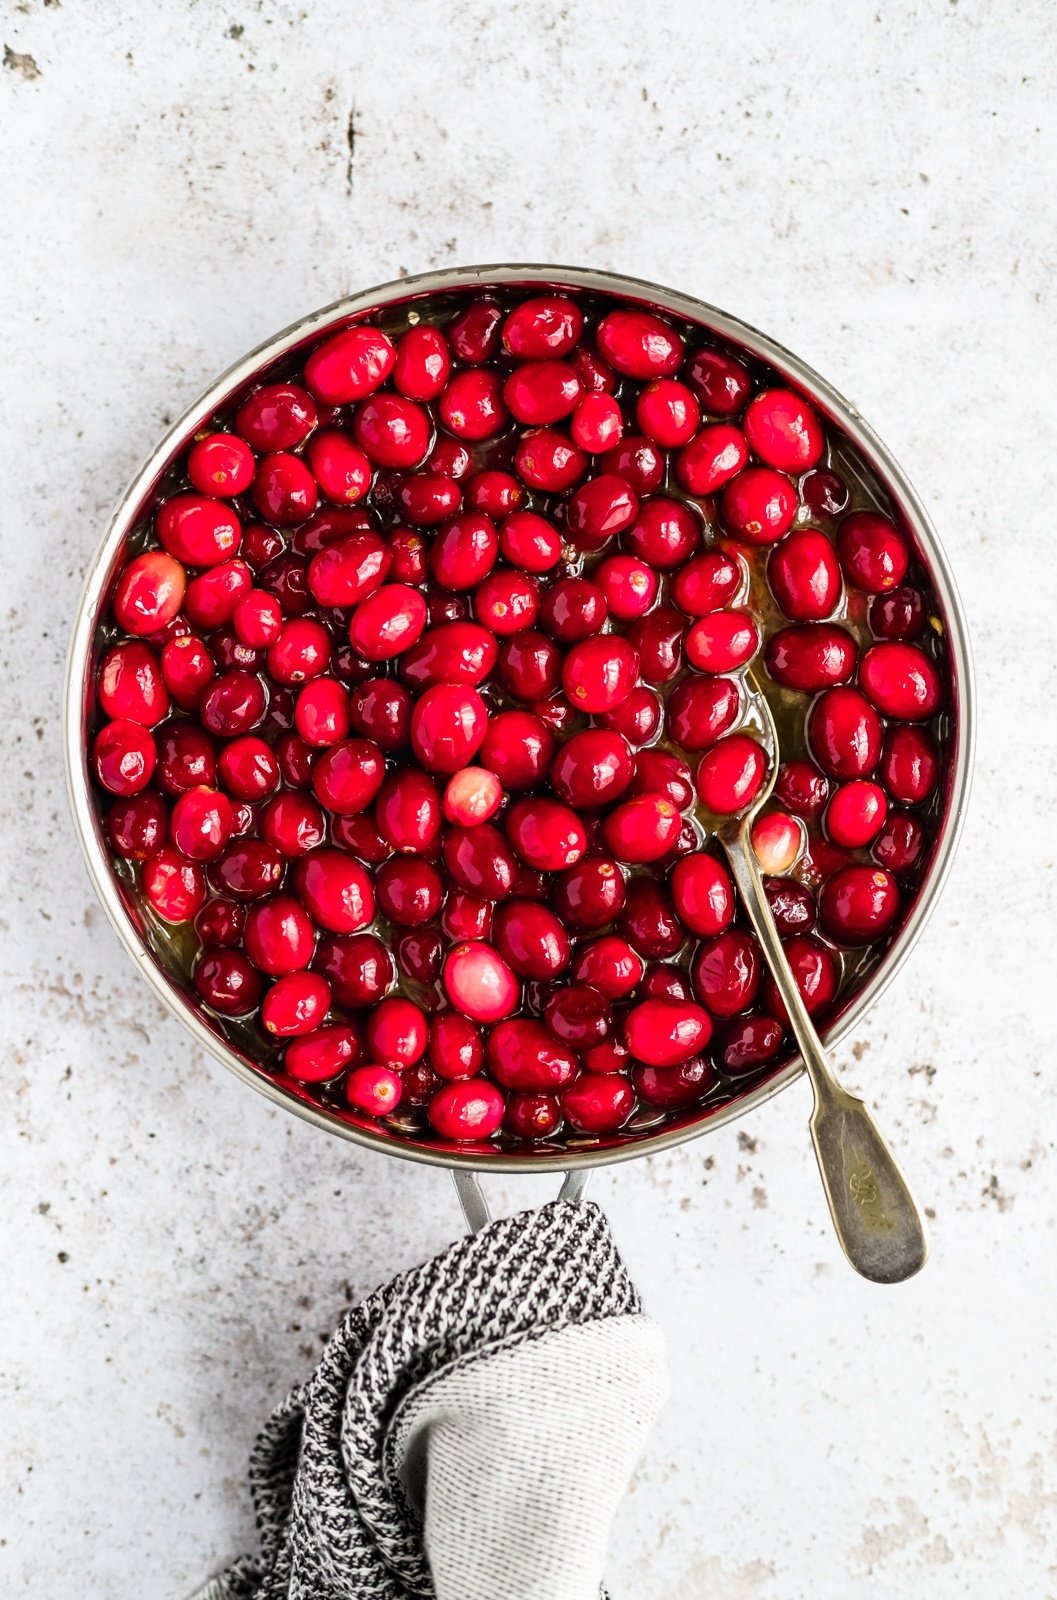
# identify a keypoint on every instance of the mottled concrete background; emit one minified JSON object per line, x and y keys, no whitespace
{"x":179,"y":180}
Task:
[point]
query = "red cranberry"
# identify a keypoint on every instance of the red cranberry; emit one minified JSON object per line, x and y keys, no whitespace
{"x":407,"y":810}
{"x":137,"y":826}
{"x":455,"y":1048}
{"x":522,"y":1055}
{"x":657,"y":640}
{"x":350,"y":365}
{"x":578,"y":1015}
{"x":448,"y":726}
{"x":186,"y":757}
{"x":475,"y":332}
{"x":358,"y":969}
{"x":277,"y":417}
{"x":219,"y":924}
{"x":667,"y":412}
{"x":899,"y":614}
{"x":450,"y":458}
{"x":228,"y":983}
{"x":284,"y":492}
{"x":664,"y":534}
{"x":479,"y":982}
{"x":672,"y":1087}
{"x":856,"y":813}
{"x":901,"y":681}
{"x":507,"y":602}
{"x":899,"y":843}
{"x":801,"y":788}
{"x":297,"y":1003}
{"x":590,"y":893}
{"x":859,"y":905}
{"x":598,"y":1102}
{"x":494,"y":492}
{"x":375,"y":1090}
{"x":722,"y":641}
{"x":530,"y":542}
{"x":258,"y":619}
{"x":201,"y":823}
{"x":815,"y":972}
{"x":712,"y":458}
{"x":174,"y":886}
{"x":872,"y":552}
{"x":296,"y":760}
{"x":547,"y":460}
{"x":701,"y":710}
{"x":233,"y":704}
{"x":132,"y":685}
{"x":637,"y":717}
{"x":639,"y":462}
{"x":347,"y":778}
{"x":387,"y":622}
{"x":599,"y":673}
{"x":804,"y":575}
{"x":658,"y":772}
{"x":824,"y":493}
{"x":533,"y":1116}
{"x":784,"y":431}
{"x":470,"y":1109}
{"x":726,"y":972}
{"x":910,"y":765}
{"x":758,"y":505}
{"x":397,"y":1032}
{"x":319,"y":1056}
{"x":287,"y":578}
{"x":545,"y":325}
{"x":599,"y":509}
{"x":810,"y":656}
{"x":628,"y":585}
{"x":529,"y":665}
{"x":466,"y":916}
{"x":531,"y":939}
{"x":187,"y":668}
{"x":639,"y":344}
{"x":539,"y":392}
{"x":721,"y":383}
{"x":249,"y":869}
{"x":422,"y":363}
{"x":597,"y":423}
{"x":731,"y":774}
{"x":573,"y":609}
{"x":792,"y":905}
{"x":844,"y":732}
{"x":642,"y":829}
{"x":197,"y":531}
{"x":393,"y":431}
{"x":336,"y":891}
{"x":381,"y":710}
{"x":608,"y":964}
{"x":546,"y":835}
{"x":480,"y":860}
{"x":648,"y":921}
{"x":749,"y":1043}
{"x":321,"y":715}
{"x":664,"y":1033}
{"x":302,"y":650}
{"x":663,"y":981}
{"x":592,"y":768}
{"x":347,"y":571}
{"x":472,"y":406}
{"x":428,"y":498}
{"x":149,"y":593}
{"x":279,"y":935}
{"x":703,"y":894}
{"x":706,"y":583}
{"x":124,"y":757}
{"x":464,"y":551}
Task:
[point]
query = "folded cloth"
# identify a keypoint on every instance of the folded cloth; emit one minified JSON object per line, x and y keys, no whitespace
{"x":469,"y":1431}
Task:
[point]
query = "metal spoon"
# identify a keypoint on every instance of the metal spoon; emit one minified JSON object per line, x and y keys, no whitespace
{"x":878,"y":1221}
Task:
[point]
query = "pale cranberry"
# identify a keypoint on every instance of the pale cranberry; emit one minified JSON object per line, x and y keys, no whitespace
{"x":350,"y":365}
{"x":336,"y":891}
{"x":597,"y":423}
{"x":387,"y":622}
{"x":137,"y":825}
{"x":664,"y":534}
{"x":777,"y":842}
{"x":547,"y":460}
{"x":542,"y":326}
{"x":598,"y":1102}
{"x":722,"y":641}
{"x":872,"y":551}
{"x":518,"y":748}
{"x":703,"y":894}
{"x":901,"y":681}
{"x":900,"y":842}
{"x":844,"y":732}
{"x":707,"y":583}
{"x":758,"y":505}
{"x":701,"y":710}
{"x":731,"y":774}
{"x":712,"y":458}
{"x":784,"y":431}
{"x":856,"y":813}
{"x":479,"y":982}
{"x":804,"y":575}
{"x":639,"y":344}
{"x":359,"y":969}
{"x":859,"y":905}
{"x":296,"y":1004}
{"x":373,"y":1089}
{"x":321,"y":1055}
{"x":471,"y":796}
{"x":472,"y":1108}
{"x":201,"y":823}
{"x":408,"y":811}
{"x":149,"y":593}
{"x":810,"y":656}
{"x":277,"y":417}
{"x":455,"y":1048}
{"x":749,"y":1043}
{"x":174,"y":886}
{"x":726,"y":972}
{"x":124,"y":757}
{"x":721,"y":383}
{"x":910,"y":764}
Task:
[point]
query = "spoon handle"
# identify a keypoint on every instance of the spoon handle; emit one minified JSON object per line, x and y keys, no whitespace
{"x":878,"y":1221}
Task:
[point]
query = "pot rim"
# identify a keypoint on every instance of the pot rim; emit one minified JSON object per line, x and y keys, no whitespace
{"x":712,"y":320}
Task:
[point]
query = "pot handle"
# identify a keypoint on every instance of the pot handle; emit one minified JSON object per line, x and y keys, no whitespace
{"x":475,"y":1206}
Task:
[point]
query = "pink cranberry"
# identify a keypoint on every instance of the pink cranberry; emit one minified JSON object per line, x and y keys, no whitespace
{"x":319,"y":1056}
{"x":712,"y":458}
{"x":901,"y":681}
{"x":856,"y":813}
{"x":375,"y":1090}
{"x":124,"y":757}
{"x":297,"y":1003}
{"x":777,"y":842}
{"x":703,"y":894}
{"x":804,"y":575}
{"x":872,"y":552}
{"x":721,"y":383}
{"x":522,"y":1055}
{"x":784,"y":431}
{"x":722,"y":641}
{"x":174,"y":886}
{"x":336,"y":891}
{"x":639,"y":344}
{"x":471,"y":796}
{"x":642,"y":829}
{"x":598,"y":1102}
{"x":731,"y":774}
{"x":149,"y":593}
{"x":910,"y":764}
{"x":599,"y":673}
{"x":349,"y":366}
{"x":810,"y":656}
{"x":387,"y":622}
{"x":844,"y":733}
{"x":726,"y":972}
{"x":758,"y":506}
{"x":859,"y":905}
{"x":665,"y":1033}
{"x":277,"y":417}
{"x":472,"y":1108}
{"x":479,"y":982}
{"x":545,"y":325}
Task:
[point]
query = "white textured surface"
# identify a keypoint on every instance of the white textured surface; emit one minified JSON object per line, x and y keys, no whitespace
{"x":874,"y":189}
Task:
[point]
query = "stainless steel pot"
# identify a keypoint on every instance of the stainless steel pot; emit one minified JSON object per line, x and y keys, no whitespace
{"x":391,"y":299}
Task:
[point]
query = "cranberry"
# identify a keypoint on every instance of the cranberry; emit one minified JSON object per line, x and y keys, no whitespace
{"x":599,"y":673}
{"x":792,"y":905}
{"x":784,"y":431}
{"x":448,"y":726}
{"x":804,"y":575}
{"x":213,"y":597}
{"x":663,"y":981}
{"x":187,"y":668}
{"x":233,"y":704}
{"x":712,"y":458}
{"x":598,"y":1102}
{"x":701,"y":710}
{"x":899,"y":843}
{"x":480,"y":860}
{"x":449,"y":459}
{"x":909,"y":765}
{"x":279,"y":935}
{"x":844,"y":732}
{"x":381,"y":710}
{"x":721,"y":383}
{"x":703,"y":894}
{"x":530,"y":542}
{"x":545,"y":325}
{"x":901,"y":681}
{"x":466,"y":916}
{"x":539,"y":392}
{"x":359,"y":834}
{"x":464,"y":551}
{"x":277,"y":417}
{"x":649,"y":922}
{"x":472,"y":406}
{"x":667,"y":412}
{"x":628,"y":585}
{"x":219,"y":924}
{"x":479,"y":982}
{"x":397,"y":1032}
{"x":573,"y":609}
{"x":302,"y":650}
{"x":394,"y":432}
{"x":664,"y":1033}
{"x":547,"y":460}
{"x":801,"y":788}
{"x":592,"y":768}
{"x":749,"y":1043}
{"x":132,"y":685}
{"x":546,"y":835}
{"x":455,"y":1048}
{"x":706,"y":583}
{"x":731,"y":774}
{"x":387,"y":622}
{"x":664,"y":534}
{"x":533,"y":1116}
{"x":471,"y":796}
{"x":810,"y":656}
{"x":408,"y":810}
{"x":297,"y":1003}
{"x":472,"y":1108}
{"x":427,"y":499}
{"x":722,"y":641}
{"x":590,"y":893}
{"x":201,"y":823}
{"x":422,"y":363}
{"x":758,"y":505}
{"x":287,"y":578}
{"x":359,"y":969}
{"x":336,"y":891}
{"x":856,"y":813}
{"x":599,"y":509}
{"x":578,"y":1015}
{"x":248,"y":769}
{"x":321,"y":715}
{"x":597,"y":422}
{"x":859,"y":905}
{"x":641,"y":829}
{"x":475,"y":332}
{"x":284,"y":491}
{"x":494,"y":492}
{"x":124,"y":757}
{"x":174,"y":886}
{"x":375,"y":1090}
{"x":186,"y":757}
{"x":149,"y":593}
{"x":637,"y":717}
{"x":296,"y":760}
{"x":292,"y":822}
{"x":319,"y":1056}
{"x":899,"y":614}
{"x":349,"y":366}
{"x":608,"y":964}
{"x":248,"y":870}
{"x":660,"y":772}
{"x":639,"y":462}
{"x":418,"y":1085}
{"x":872,"y":552}
{"x":529,"y":665}
{"x":815,"y":972}
{"x":347,"y":571}
{"x":137,"y":825}
{"x":672,"y":1087}
{"x":228,"y":983}
{"x":522,"y":1055}
{"x":726,"y":972}
{"x":824,"y":493}
{"x":507,"y":602}
{"x":531,"y":939}
{"x":777,"y":841}
{"x":639,"y":344}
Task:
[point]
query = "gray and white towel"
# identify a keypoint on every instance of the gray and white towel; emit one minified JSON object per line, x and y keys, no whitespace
{"x":469,"y":1431}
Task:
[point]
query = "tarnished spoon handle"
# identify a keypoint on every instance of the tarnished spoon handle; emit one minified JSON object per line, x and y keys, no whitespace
{"x":878,"y":1221}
